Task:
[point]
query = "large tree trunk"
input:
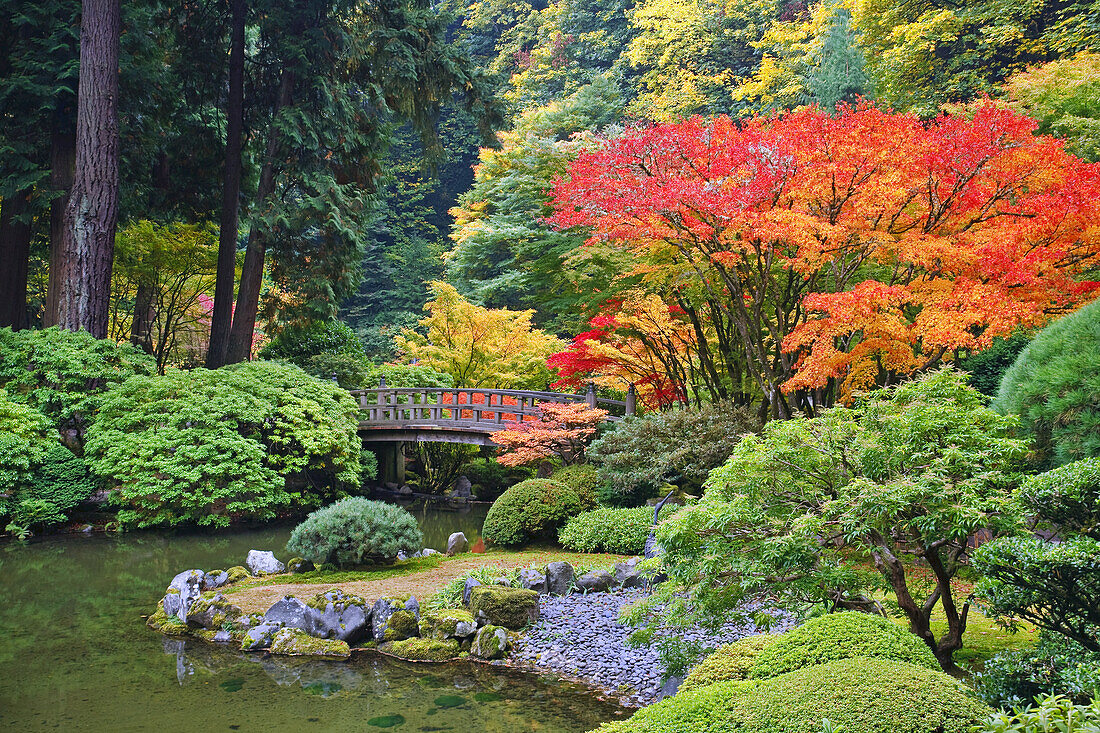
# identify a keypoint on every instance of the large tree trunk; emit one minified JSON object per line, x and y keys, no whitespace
{"x":15,"y":248}
{"x":62,"y":160}
{"x":92,"y":213}
{"x":221,"y":318}
{"x":252,"y":272}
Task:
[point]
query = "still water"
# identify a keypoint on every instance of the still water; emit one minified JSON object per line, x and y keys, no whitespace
{"x":75,"y":654}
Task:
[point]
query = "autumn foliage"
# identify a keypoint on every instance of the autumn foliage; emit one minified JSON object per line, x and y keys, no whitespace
{"x":562,"y":430}
{"x":840,"y":252}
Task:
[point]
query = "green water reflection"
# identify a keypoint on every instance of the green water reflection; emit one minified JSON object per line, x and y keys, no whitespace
{"x":75,"y":655}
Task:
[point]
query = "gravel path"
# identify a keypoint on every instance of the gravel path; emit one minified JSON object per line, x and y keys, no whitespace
{"x":579,"y":636}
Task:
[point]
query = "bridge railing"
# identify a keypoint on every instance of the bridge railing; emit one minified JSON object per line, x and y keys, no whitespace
{"x":469,"y":407}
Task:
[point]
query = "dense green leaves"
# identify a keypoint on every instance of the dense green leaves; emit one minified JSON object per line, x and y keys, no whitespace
{"x":622,"y":531}
{"x":356,"y":531}
{"x":531,"y":510}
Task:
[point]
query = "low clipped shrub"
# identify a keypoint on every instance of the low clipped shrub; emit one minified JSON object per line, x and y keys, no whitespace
{"x":531,"y":510}
{"x":207,"y":447}
{"x":1054,"y":386}
{"x":1068,"y":497}
{"x":840,"y":636}
{"x":622,"y":531}
{"x":857,"y":695}
{"x":730,"y":662}
{"x":1050,"y":714}
{"x":63,"y":479}
{"x":356,"y":531}
{"x":1056,"y":665}
{"x":680,"y":447}
{"x":582,"y":478}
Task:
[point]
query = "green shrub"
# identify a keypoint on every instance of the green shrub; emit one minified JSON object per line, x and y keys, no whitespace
{"x":582,"y":478}
{"x":1050,"y":714}
{"x":298,"y":344}
{"x":730,"y":662}
{"x":1068,"y":497}
{"x":210,"y":446}
{"x":678,"y":446}
{"x":349,"y":370}
{"x":987,"y":368}
{"x":1056,"y":665}
{"x":406,"y":375}
{"x":368,"y":462}
{"x":62,"y":479}
{"x":355,"y":531}
{"x":64,"y":374}
{"x":1054,"y":386}
{"x":24,"y":441}
{"x":531,"y":510}
{"x":858,"y":695}
{"x":491,"y":479}
{"x":622,"y":531}
{"x":840,"y":636}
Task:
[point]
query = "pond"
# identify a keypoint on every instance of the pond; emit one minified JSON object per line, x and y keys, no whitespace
{"x":75,"y":653}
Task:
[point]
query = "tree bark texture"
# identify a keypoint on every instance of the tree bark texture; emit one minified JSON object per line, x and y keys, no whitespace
{"x":62,"y":160}
{"x":252,"y":272}
{"x":15,"y":248}
{"x":92,"y":212}
{"x":221,"y":319}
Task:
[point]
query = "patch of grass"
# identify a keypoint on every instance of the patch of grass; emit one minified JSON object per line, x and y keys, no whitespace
{"x":335,"y":577}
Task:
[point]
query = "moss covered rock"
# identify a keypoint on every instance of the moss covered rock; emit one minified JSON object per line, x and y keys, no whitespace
{"x":298,"y":565}
{"x":491,"y":642}
{"x":513,"y":608}
{"x":448,"y":623}
{"x":213,"y":612}
{"x":858,"y":695}
{"x":729,"y":662}
{"x":237,"y":573}
{"x":401,"y":625}
{"x":165,"y":624}
{"x":294,"y":642}
{"x":422,"y":650}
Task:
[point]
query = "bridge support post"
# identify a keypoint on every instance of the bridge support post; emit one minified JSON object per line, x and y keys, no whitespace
{"x":391,"y":463}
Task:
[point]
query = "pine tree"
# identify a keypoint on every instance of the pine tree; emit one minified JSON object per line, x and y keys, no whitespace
{"x":837,"y":74}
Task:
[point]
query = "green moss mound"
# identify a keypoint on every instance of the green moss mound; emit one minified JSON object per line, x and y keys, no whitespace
{"x":858,"y":695}
{"x":622,"y":531}
{"x":840,"y":636}
{"x":531,"y":510}
{"x":355,"y":531}
{"x":582,"y":478}
{"x":423,"y":650}
{"x":512,"y":608}
{"x":729,"y":662}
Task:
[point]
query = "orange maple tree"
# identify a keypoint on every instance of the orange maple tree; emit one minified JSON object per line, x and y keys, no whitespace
{"x":561,"y":429}
{"x":846,"y":251}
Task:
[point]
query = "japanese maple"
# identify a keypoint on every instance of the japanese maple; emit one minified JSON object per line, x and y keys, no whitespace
{"x":562,"y":430}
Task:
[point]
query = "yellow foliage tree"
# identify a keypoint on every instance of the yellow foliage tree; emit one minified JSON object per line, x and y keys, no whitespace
{"x":479,"y":347}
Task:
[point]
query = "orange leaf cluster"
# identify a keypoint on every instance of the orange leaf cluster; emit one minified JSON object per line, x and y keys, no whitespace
{"x":562,"y":430}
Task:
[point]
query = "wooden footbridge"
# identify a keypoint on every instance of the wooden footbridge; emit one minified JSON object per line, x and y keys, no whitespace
{"x":393,"y":416}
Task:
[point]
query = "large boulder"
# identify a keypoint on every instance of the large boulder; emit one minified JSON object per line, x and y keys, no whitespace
{"x":392,"y":621}
{"x":627,"y":573}
{"x":261,"y":562}
{"x":448,"y":623}
{"x":559,"y":578}
{"x":212,"y":613}
{"x":532,"y":579}
{"x":491,"y":642}
{"x":214,"y":579}
{"x":513,"y":608}
{"x":293,"y":613}
{"x":184,"y":590}
{"x":457,"y":543}
{"x":295,"y":642}
{"x":463,"y":488}
{"x":471,"y":583}
{"x":259,"y":637}
{"x":595,"y":581}
{"x":339,"y":616}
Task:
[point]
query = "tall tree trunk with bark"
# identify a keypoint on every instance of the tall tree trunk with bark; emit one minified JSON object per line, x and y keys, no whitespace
{"x":62,"y":160}
{"x":221,"y":319}
{"x":252,"y":272}
{"x":92,"y":212}
{"x":15,"y":248}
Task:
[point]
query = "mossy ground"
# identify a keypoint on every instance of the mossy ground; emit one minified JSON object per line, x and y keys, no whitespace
{"x":422,"y":650}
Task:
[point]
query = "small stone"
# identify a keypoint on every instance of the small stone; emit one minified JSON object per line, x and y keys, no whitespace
{"x":462,"y":487}
{"x":223,"y":636}
{"x":596,"y":581}
{"x":214,"y":579}
{"x":261,"y":562}
{"x":259,"y":637}
{"x":559,"y":578}
{"x":457,"y":543}
{"x":471,"y":583}
{"x":532,"y":579}
{"x":299,"y":565}
{"x":295,"y":642}
{"x":428,"y":552}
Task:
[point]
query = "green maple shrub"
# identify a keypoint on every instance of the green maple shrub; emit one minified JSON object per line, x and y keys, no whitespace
{"x":356,"y":531}
{"x":643,"y":454}
{"x":531,"y":510}
{"x":857,"y":695}
{"x":623,"y":531}
{"x":1049,"y":714}
{"x":406,"y":375}
{"x":1054,"y":386}
{"x":840,"y":636}
{"x":208,"y":447}
{"x":1056,"y":665}
{"x":729,"y":662}
{"x":582,"y":478}
{"x":298,"y":343}
{"x":25,"y":442}
{"x":65,"y":374}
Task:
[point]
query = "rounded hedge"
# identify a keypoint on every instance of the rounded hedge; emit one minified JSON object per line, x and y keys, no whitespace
{"x":1054,"y":386}
{"x":858,"y":695}
{"x":730,"y":662}
{"x":530,"y":510}
{"x":582,"y":478}
{"x":623,"y":531}
{"x":356,"y":531}
{"x":840,"y":636}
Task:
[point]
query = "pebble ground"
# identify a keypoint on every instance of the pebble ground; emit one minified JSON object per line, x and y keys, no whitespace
{"x":579,"y":636}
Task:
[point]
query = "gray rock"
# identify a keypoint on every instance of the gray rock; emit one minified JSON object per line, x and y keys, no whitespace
{"x":401,"y":556}
{"x":532,"y":579}
{"x":259,"y":637}
{"x":462,"y":488}
{"x":383,"y":621}
{"x":183,"y":591}
{"x":405,"y":490}
{"x":212,"y":613}
{"x":470,"y":585}
{"x":596,"y":581}
{"x":413,"y":606}
{"x":491,"y":642}
{"x":344,"y":617}
{"x":559,"y":578}
{"x":428,"y":552}
{"x":260,"y":562}
{"x":300,"y":565}
{"x":627,"y":574}
{"x":503,"y":580}
{"x":293,"y":613}
{"x":457,"y":543}
{"x":211,"y":581}
{"x":223,"y":636}
{"x":669,"y":688}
